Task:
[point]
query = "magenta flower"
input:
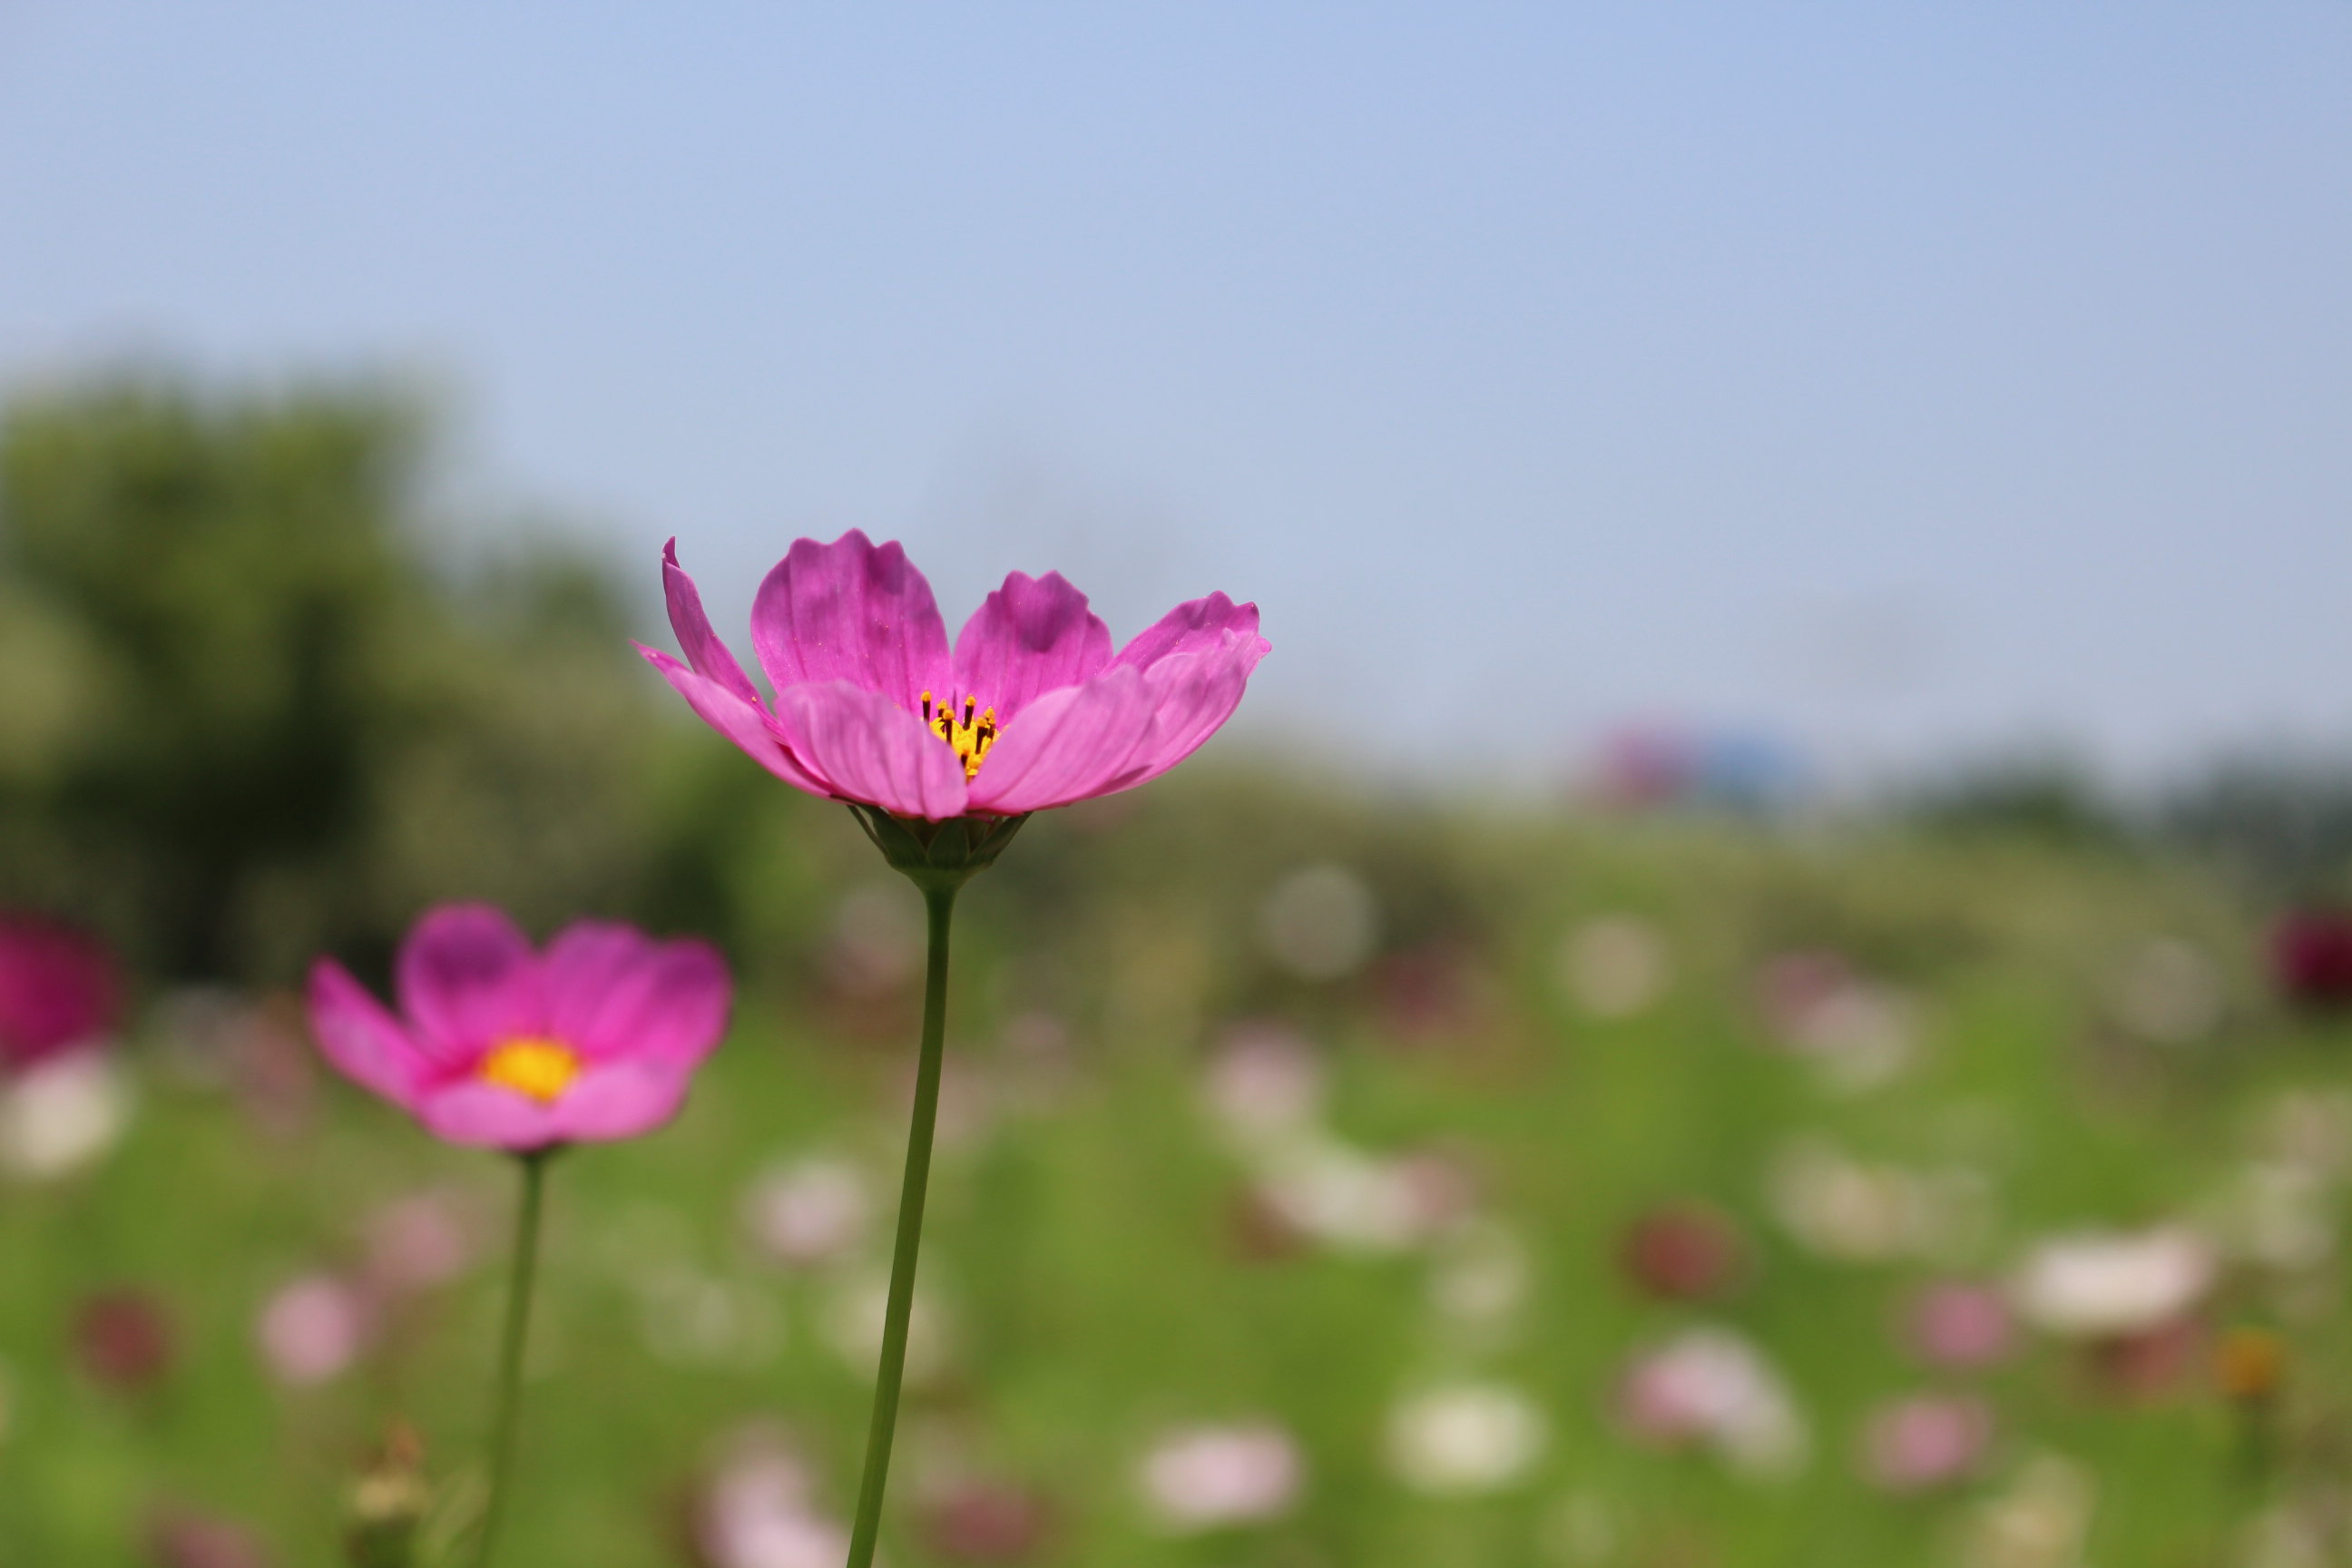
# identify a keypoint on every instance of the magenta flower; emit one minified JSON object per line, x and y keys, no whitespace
{"x":502,"y":1047}
{"x":1031,"y":710}
{"x":59,"y":989}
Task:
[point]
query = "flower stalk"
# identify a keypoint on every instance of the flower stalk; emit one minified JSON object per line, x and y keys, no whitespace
{"x":506,"y":1411}
{"x":939,"y":902}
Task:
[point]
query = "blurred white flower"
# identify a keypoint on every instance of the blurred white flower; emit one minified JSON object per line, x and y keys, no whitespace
{"x":2099,"y":1285}
{"x":1613,"y":967}
{"x":1859,"y":1212}
{"x":1264,"y":1084}
{"x":1481,"y":1274}
{"x":2283,"y":1537}
{"x":854,"y":1320}
{"x":809,"y":1212}
{"x":691,"y":1319}
{"x":2167,"y":992}
{"x":1858,"y":1034}
{"x":1210,"y":1477}
{"x":2038,"y":1520}
{"x":2310,"y":1128}
{"x":1319,"y":923}
{"x":2276,"y":1214}
{"x":1465,"y":1439}
{"x":1709,"y":1387}
{"x":1339,"y":1195}
{"x":312,"y":1328}
{"x":755,"y":1513}
{"x":62,"y":1114}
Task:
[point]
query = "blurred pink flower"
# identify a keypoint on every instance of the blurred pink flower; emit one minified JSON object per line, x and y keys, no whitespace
{"x":808,"y":1213}
{"x":1211,"y":1478}
{"x":416,"y":1242}
{"x":979,"y":1521}
{"x":1265,"y":1083}
{"x":1926,"y":1441}
{"x":123,"y":1339}
{"x":756,"y":1511}
{"x":1709,"y":1387}
{"x":59,"y":989}
{"x":179,"y":1539}
{"x":313,"y":1329}
{"x":1956,"y":1324}
{"x":870,"y":706}
{"x":2311,"y":957}
{"x":2151,"y":1361}
{"x":1683,"y":1252}
{"x":501,"y":1047}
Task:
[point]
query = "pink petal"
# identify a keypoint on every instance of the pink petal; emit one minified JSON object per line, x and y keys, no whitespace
{"x":745,"y":723}
{"x":872,"y":750}
{"x":704,"y":650}
{"x":1124,"y":727}
{"x":488,"y":1115}
{"x":619,"y":1101}
{"x":1067,"y":745}
{"x":468,"y":979}
{"x":850,"y":611}
{"x":604,"y":1102}
{"x":1033,"y":636}
{"x":1194,"y":626}
{"x":612,"y":993}
{"x":365,"y":1042}
{"x":1194,"y":693}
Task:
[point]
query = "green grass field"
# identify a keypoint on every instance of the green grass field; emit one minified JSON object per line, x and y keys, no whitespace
{"x":1504,"y":1088}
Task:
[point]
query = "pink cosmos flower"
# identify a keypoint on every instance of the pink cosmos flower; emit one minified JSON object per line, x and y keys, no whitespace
{"x":505,"y":1048}
{"x":1031,"y":710}
{"x":59,"y":989}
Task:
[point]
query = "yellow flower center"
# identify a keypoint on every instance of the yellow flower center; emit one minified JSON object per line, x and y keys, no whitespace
{"x":969,"y":737}
{"x":539,"y":1067}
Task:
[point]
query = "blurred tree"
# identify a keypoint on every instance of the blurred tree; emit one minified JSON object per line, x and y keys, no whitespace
{"x":2283,"y":825}
{"x":241,"y":715}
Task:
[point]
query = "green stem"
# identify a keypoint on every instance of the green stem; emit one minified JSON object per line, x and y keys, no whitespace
{"x":939,"y":904}
{"x":505,"y":1413}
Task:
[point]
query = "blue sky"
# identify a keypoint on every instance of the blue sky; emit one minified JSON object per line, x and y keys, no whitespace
{"x":1908,"y":380}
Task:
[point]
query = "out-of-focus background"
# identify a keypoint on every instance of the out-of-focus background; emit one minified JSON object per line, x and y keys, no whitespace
{"x":1762,"y":978}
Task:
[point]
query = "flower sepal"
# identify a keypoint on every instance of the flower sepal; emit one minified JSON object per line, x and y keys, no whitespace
{"x":938,"y":854}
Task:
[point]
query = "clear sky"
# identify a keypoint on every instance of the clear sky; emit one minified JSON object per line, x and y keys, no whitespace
{"x":1903,"y":378}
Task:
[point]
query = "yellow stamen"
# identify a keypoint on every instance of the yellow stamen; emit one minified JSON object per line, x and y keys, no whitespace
{"x":540,"y":1069}
{"x":969,"y":737}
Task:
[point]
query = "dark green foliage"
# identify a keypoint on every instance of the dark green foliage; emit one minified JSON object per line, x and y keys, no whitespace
{"x":242,"y":719}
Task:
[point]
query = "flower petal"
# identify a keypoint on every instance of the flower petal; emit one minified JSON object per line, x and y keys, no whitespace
{"x":488,"y":1115}
{"x":1195,"y":692}
{"x":468,"y":979}
{"x":709,"y":657}
{"x":604,"y":1102}
{"x":363,"y":1040}
{"x":620,"y":1101}
{"x":1067,"y":745}
{"x":871,"y":750}
{"x":852,"y":611}
{"x":613,"y":994}
{"x":1033,"y":636}
{"x":1194,"y":626}
{"x":1124,"y":727}
{"x":745,"y":723}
